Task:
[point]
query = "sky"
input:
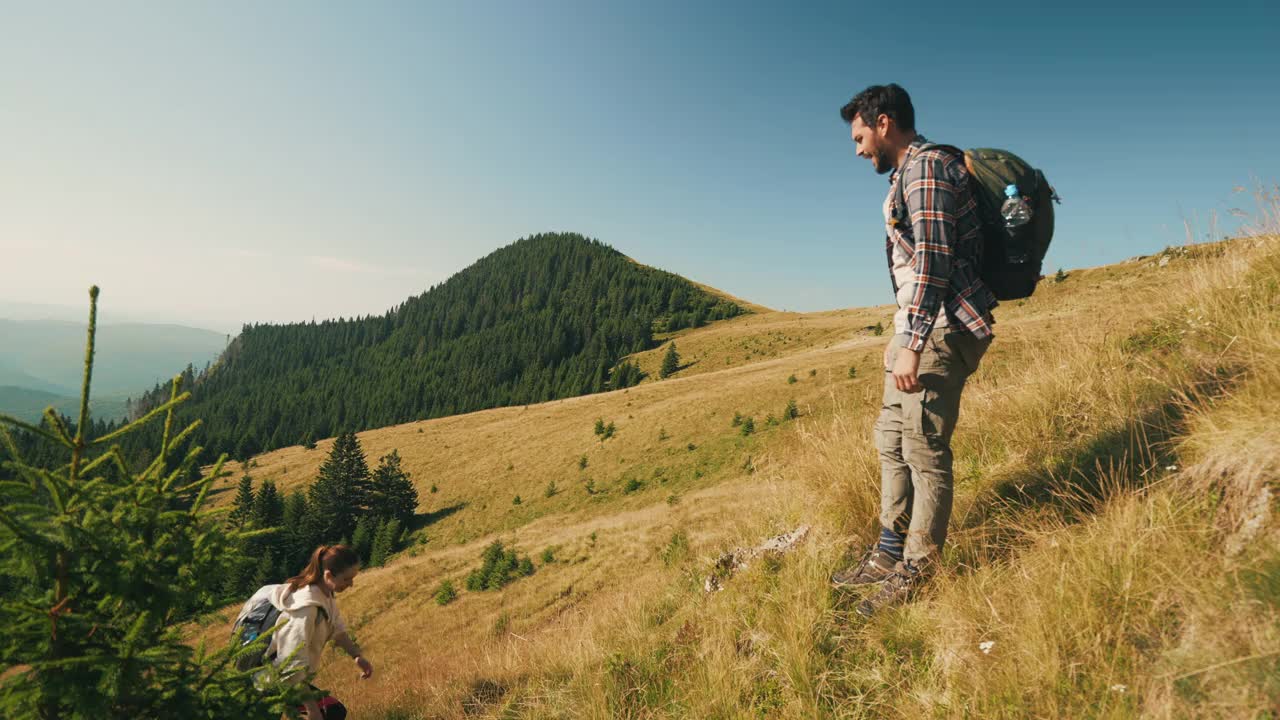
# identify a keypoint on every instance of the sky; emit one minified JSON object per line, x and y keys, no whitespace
{"x":216,"y":164}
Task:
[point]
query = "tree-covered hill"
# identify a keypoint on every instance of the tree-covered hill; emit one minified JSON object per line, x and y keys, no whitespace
{"x":546,"y":317}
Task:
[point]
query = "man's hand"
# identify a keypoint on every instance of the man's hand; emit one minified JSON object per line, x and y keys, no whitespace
{"x":904,"y":370}
{"x":366,"y":667}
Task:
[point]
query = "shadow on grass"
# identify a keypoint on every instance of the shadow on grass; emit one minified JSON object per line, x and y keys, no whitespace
{"x":427,"y":519}
{"x":1076,"y":486}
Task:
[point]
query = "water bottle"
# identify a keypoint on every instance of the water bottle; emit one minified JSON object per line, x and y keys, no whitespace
{"x":1015,"y":210}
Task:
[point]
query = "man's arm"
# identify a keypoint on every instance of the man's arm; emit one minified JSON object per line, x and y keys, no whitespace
{"x":931,"y":201}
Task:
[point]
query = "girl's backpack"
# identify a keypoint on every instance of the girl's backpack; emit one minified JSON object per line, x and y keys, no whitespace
{"x":259,"y":617}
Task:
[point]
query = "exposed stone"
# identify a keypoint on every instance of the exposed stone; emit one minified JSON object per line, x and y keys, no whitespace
{"x":738,"y":558}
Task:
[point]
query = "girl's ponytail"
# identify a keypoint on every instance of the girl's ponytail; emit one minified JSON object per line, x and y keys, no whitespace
{"x":334,"y":558}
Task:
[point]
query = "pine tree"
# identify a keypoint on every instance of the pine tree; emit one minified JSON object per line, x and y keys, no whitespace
{"x":338,"y":495}
{"x":114,"y":562}
{"x":392,"y":495}
{"x":385,"y":542}
{"x":264,"y":571}
{"x":268,"y":506}
{"x":242,"y":507}
{"x":294,"y":542}
{"x":362,"y":540}
{"x":670,"y":362}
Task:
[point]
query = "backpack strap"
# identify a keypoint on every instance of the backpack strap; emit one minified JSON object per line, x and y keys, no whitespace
{"x":901,"y":216}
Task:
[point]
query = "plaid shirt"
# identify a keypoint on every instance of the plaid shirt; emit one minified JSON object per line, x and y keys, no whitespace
{"x":943,"y":240}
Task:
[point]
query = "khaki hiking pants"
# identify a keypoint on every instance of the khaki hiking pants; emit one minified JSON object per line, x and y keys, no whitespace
{"x":913,"y":435}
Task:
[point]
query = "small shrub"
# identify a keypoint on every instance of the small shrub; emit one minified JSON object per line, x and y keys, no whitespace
{"x":770,"y":420}
{"x":813,"y":373}
{"x":673,"y":499}
{"x":662,"y":434}
{"x":632,"y":485}
{"x":608,"y":431}
{"x":691,"y":447}
{"x":592,"y":538}
{"x":445,"y":593}
{"x":434,"y":489}
{"x":748,"y":426}
{"x":515,"y":500}
{"x":599,"y":429}
{"x":499,"y":567}
{"x":791,"y":380}
{"x":582,"y":463}
{"x":878,"y":329}
{"x":591,"y":486}
{"x":676,"y":549}
{"x":502,"y":625}
{"x":551,"y":490}
{"x":548,"y":556}
{"x":792,"y":411}
{"x":1060,"y":276}
{"x":853,"y":372}
{"x":737,"y":420}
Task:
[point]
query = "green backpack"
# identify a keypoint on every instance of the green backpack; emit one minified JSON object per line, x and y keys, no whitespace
{"x":1011,"y":258}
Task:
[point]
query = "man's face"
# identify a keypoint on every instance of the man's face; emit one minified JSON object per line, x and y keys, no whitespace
{"x":870,"y":143}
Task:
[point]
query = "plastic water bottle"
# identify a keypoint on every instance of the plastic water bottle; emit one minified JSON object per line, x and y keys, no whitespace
{"x":1015,"y":210}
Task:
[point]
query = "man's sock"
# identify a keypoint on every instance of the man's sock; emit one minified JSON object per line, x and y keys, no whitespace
{"x":891,"y":543}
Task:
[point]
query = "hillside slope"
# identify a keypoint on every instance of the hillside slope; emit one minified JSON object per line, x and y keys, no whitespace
{"x":546,"y":317}
{"x":1084,"y":547}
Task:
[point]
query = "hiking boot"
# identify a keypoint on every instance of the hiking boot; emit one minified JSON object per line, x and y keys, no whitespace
{"x":900,"y":585}
{"x":875,"y":566}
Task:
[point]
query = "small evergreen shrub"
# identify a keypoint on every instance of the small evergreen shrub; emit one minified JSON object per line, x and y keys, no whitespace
{"x":499,"y":567}
{"x":445,"y":593}
{"x":792,"y":411}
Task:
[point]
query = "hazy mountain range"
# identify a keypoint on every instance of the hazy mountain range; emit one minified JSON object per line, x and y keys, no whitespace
{"x":41,"y":362}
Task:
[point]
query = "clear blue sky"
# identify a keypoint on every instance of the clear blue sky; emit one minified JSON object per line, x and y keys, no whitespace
{"x":224,"y":163}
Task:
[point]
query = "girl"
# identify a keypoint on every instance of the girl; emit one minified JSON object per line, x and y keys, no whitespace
{"x":309,"y":618}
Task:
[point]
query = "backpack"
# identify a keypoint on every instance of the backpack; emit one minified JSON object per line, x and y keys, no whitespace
{"x":1011,"y":258}
{"x":258,"y":617}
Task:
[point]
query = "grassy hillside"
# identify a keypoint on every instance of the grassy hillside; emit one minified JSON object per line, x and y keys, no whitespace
{"x":1113,"y":549}
{"x":548,"y":316}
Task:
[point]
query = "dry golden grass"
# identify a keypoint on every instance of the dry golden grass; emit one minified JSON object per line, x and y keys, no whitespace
{"x":1086,"y":562}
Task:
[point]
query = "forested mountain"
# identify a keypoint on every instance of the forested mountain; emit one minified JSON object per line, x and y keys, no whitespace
{"x":546,"y":317}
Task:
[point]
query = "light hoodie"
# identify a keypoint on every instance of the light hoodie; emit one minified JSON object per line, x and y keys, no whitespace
{"x":302,"y":628}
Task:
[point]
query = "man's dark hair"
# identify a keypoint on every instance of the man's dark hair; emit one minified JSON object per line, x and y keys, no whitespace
{"x":879,"y":100}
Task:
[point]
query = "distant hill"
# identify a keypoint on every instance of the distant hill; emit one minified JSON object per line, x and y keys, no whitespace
{"x":546,"y":317}
{"x":27,"y":404}
{"x":41,"y":361}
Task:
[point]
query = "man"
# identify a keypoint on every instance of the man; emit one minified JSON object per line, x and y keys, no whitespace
{"x":941,"y":330}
